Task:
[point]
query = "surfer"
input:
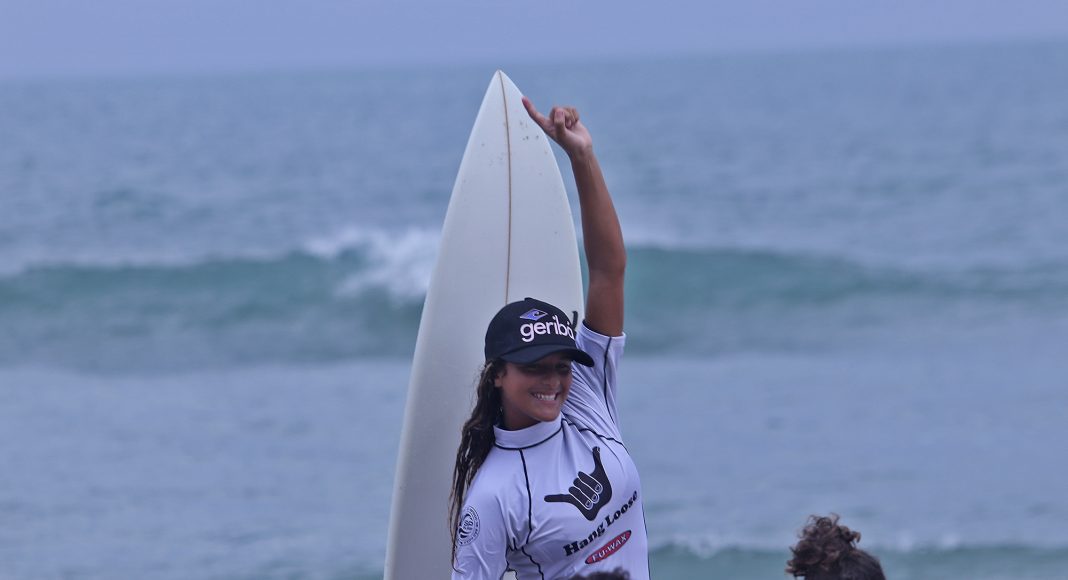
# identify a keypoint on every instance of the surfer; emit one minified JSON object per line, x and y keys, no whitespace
{"x":542,"y":483}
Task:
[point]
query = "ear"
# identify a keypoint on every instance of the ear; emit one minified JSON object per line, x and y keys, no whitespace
{"x":500,"y":375}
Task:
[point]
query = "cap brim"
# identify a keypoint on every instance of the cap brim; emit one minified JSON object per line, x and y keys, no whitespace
{"x":532,"y":354}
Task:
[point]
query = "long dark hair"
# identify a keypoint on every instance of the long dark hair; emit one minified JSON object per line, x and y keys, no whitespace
{"x":476,"y":440}
{"x":828,"y":551}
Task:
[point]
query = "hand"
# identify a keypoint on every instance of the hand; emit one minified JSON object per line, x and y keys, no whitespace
{"x":589,"y":492}
{"x":563,"y":126}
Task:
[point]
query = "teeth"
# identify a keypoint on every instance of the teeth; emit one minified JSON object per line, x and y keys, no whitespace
{"x":542,"y":397}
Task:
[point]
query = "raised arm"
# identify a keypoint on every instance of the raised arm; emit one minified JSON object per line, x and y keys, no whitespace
{"x":606,"y":257}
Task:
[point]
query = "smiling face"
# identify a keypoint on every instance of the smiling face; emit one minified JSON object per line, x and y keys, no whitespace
{"x":534,"y":392}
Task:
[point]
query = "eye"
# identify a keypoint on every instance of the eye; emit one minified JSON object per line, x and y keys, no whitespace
{"x":561,"y":368}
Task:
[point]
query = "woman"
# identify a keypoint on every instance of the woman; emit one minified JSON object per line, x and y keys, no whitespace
{"x":543,"y":484}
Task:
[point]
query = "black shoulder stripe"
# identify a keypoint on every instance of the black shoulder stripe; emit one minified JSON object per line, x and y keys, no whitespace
{"x":604,"y":381}
{"x":588,"y":430}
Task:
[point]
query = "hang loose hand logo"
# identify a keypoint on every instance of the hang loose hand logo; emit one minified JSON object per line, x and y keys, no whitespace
{"x":589,"y":492}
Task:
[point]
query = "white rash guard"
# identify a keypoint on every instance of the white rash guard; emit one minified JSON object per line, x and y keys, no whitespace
{"x":563,"y":497}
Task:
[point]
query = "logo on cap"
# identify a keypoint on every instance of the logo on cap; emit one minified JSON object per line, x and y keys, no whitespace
{"x":534,"y":314}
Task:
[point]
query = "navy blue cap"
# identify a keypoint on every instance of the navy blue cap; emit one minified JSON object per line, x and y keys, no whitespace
{"x":530,"y":330}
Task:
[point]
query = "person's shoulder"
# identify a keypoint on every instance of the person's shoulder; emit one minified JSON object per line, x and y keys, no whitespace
{"x":588,"y":335}
{"x":497,"y":489}
{"x":496,"y":476}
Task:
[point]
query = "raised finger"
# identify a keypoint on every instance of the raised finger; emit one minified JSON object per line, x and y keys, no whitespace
{"x":540,"y":119}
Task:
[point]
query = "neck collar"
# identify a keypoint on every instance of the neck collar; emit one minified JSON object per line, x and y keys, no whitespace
{"x":529,"y":437}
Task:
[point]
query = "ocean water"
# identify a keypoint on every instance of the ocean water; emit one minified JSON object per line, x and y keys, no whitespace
{"x":847,"y":292}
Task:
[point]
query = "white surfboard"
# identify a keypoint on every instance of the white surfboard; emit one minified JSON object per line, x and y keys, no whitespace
{"x":508,"y":234}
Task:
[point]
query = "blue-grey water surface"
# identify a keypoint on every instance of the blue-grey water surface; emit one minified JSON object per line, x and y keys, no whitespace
{"x":847,"y":292}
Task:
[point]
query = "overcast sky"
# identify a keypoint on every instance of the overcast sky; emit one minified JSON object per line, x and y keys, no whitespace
{"x":47,"y":38}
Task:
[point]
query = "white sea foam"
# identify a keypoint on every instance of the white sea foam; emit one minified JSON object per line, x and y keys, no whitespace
{"x":398,"y":261}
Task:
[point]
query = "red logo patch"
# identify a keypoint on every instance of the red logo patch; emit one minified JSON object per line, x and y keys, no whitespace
{"x":610,"y":548}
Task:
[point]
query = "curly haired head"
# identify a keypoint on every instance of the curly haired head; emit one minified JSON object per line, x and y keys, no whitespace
{"x":828,"y":551}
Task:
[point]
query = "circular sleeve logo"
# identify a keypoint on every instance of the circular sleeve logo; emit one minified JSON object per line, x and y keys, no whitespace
{"x":468,"y":528}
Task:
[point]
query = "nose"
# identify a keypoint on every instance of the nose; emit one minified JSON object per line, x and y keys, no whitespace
{"x":553,"y":380}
